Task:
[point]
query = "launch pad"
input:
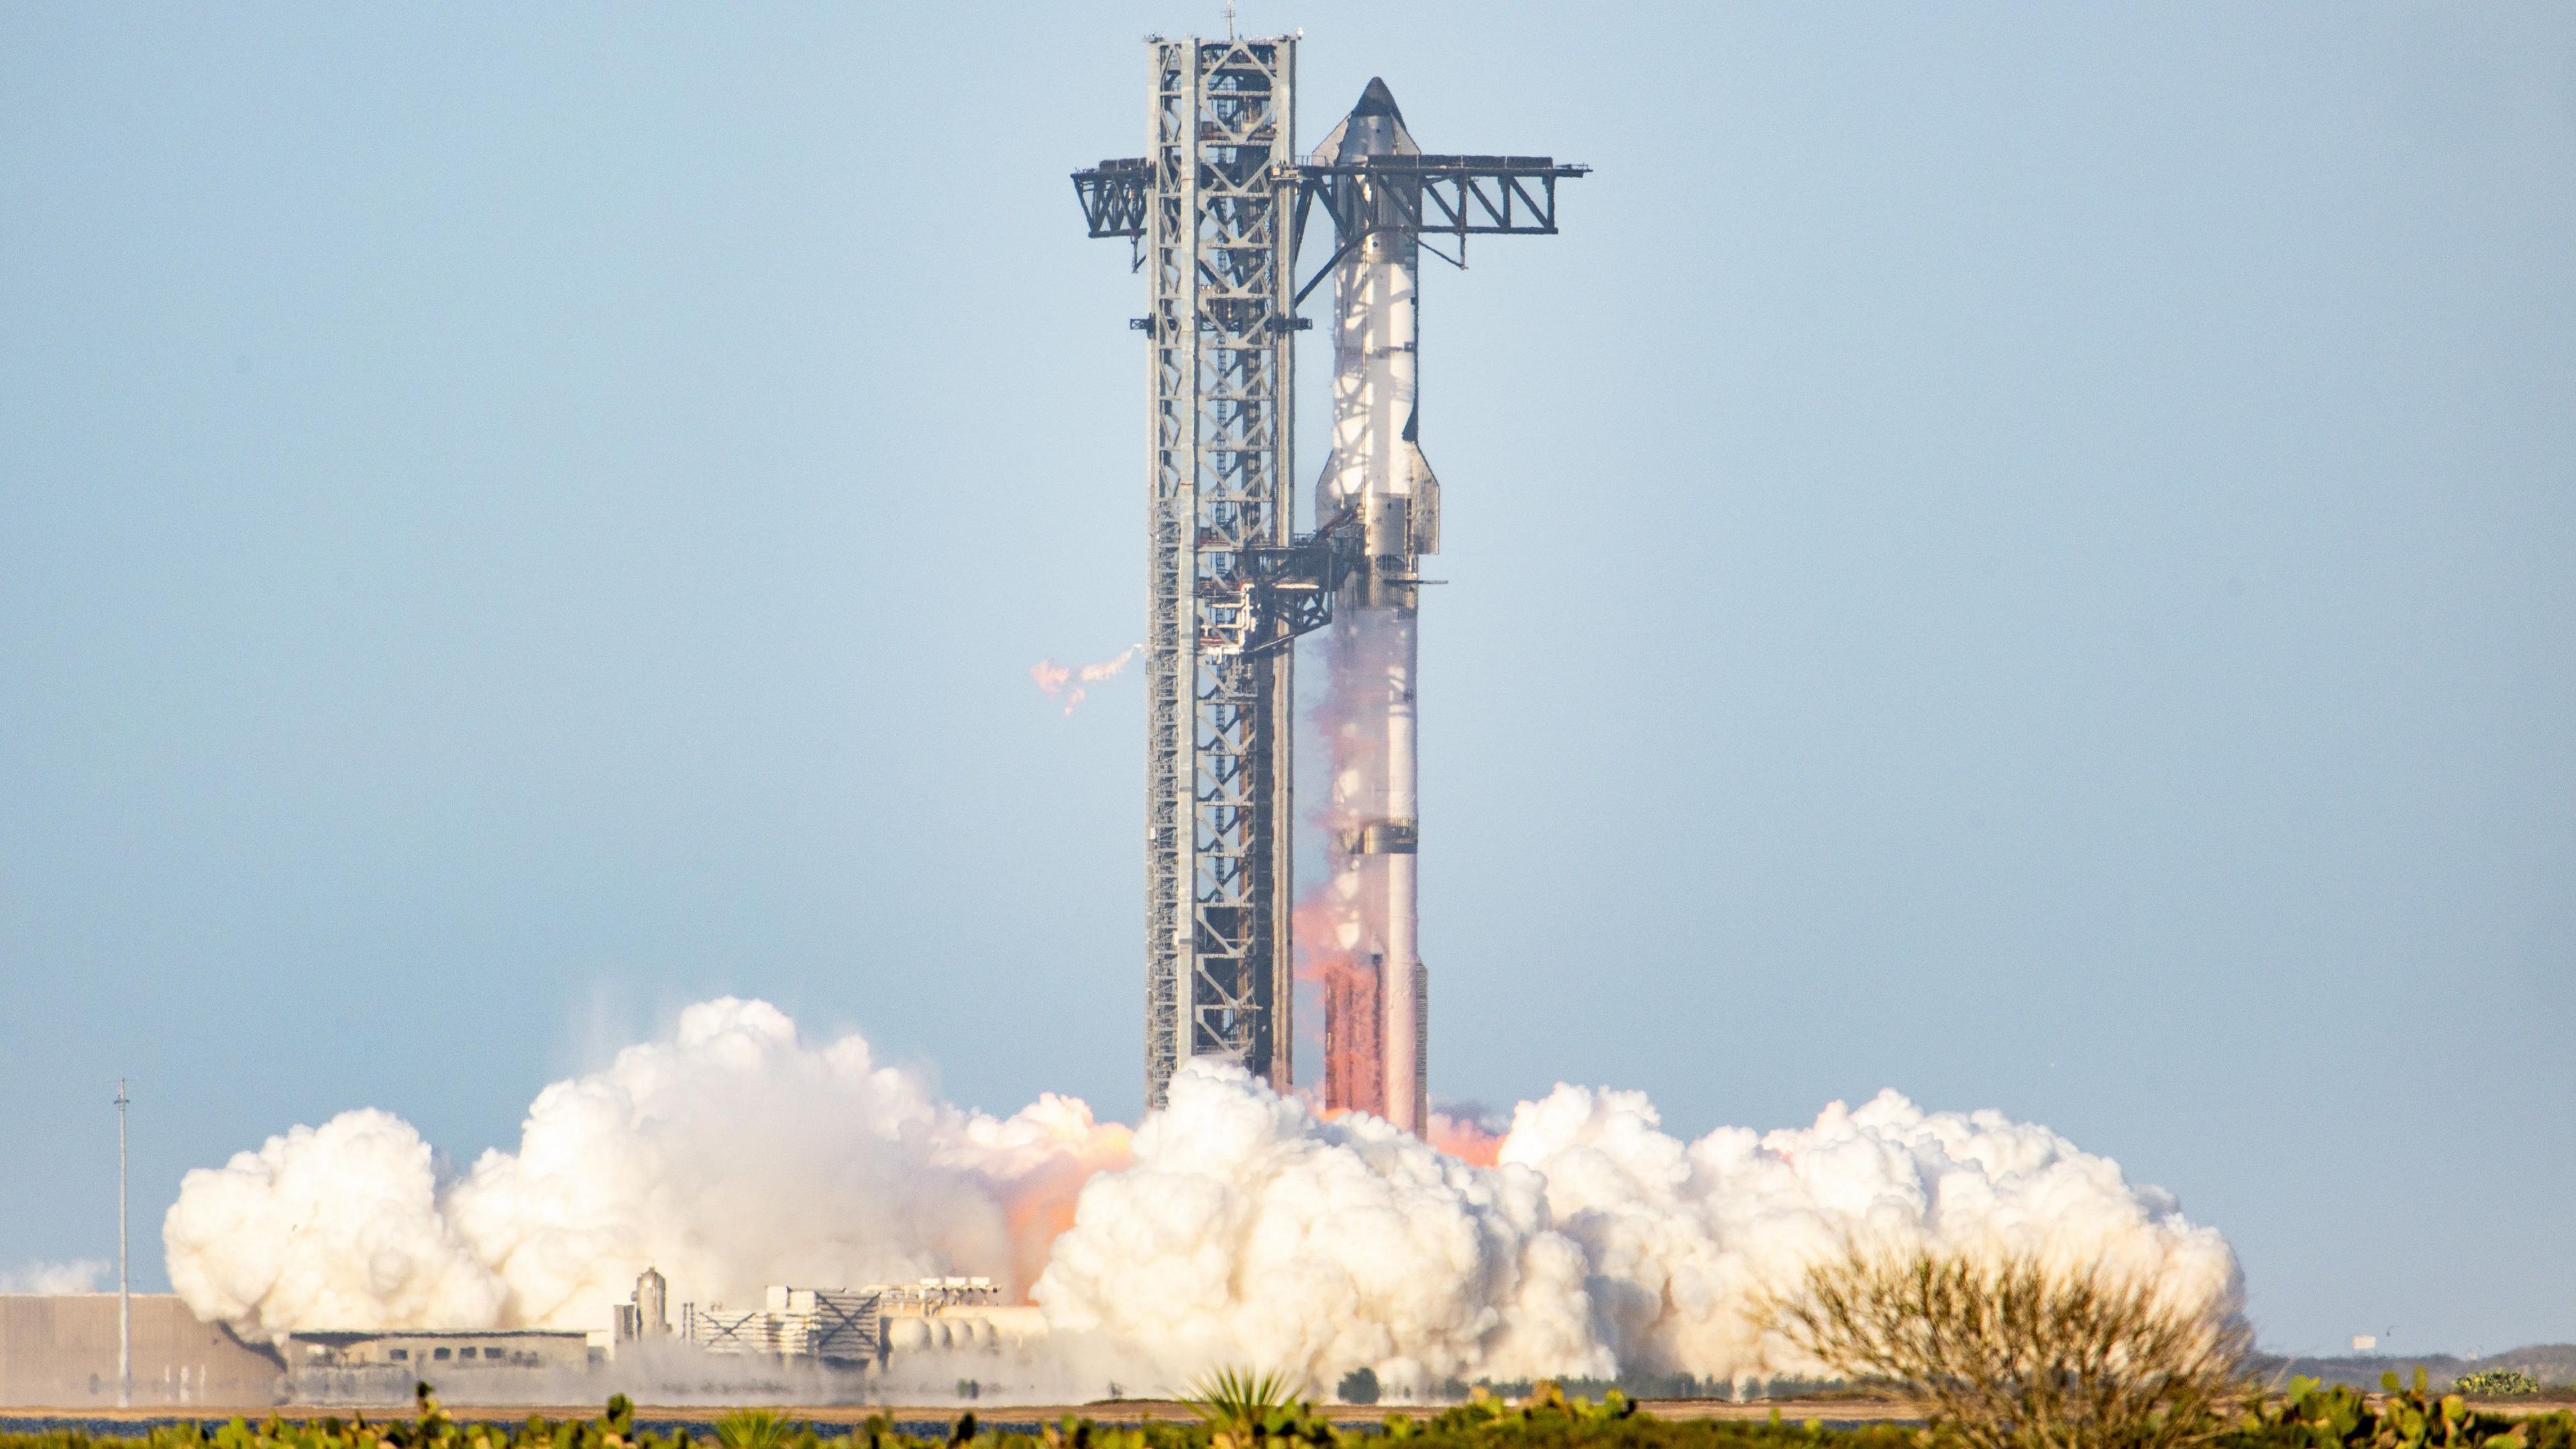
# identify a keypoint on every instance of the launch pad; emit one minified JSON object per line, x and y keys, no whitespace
{"x":1215,"y":214}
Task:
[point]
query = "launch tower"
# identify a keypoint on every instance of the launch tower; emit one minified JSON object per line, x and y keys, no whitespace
{"x":1214,"y":215}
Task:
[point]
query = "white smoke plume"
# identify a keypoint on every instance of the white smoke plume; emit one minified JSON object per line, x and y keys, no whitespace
{"x":1251,"y":1231}
{"x":1681,"y":1235}
{"x":78,"y":1275}
{"x":1067,"y":682}
{"x":730,"y":1157}
{"x":328,"y":1227}
{"x":1237,"y":1226}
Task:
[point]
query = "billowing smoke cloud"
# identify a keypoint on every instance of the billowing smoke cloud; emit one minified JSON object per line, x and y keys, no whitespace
{"x":1236,"y":1227}
{"x":1250,"y":1231}
{"x":337,"y":1226}
{"x":730,"y":1157}
{"x":1068,"y":682}
{"x":79,"y":1275}
{"x":1680,"y":1236}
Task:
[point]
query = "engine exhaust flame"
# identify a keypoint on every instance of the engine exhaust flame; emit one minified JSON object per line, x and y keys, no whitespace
{"x":1066,"y":682}
{"x":1466,"y":1137}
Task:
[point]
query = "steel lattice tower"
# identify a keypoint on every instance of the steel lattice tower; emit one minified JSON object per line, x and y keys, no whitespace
{"x":1218,"y":252}
{"x":1214,"y":213}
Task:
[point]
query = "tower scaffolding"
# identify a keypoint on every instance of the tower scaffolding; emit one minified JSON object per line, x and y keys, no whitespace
{"x":1212,"y":207}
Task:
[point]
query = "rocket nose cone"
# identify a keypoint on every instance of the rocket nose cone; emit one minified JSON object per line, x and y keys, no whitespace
{"x":1373,"y":128}
{"x":1377,"y":100}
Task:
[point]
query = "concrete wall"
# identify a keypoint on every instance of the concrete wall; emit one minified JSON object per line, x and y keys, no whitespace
{"x":59,"y":1351}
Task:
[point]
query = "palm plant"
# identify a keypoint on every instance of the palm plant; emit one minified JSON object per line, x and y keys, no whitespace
{"x":1244,"y":1408}
{"x":754,"y":1429}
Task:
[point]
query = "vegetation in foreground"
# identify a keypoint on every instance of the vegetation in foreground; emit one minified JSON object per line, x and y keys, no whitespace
{"x":1257,"y":1413}
{"x":2008,"y":1352}
{"x":2497,"y":1384}
{"x":1995,"y":1354}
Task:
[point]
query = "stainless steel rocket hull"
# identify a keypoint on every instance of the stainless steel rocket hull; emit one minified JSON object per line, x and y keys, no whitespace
{"x":1378,"y":480}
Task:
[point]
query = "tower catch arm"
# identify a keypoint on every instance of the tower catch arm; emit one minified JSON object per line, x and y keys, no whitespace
{"x":1455,"y":195}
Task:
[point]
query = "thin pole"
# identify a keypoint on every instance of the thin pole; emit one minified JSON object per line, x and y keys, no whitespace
{"x":124,"y":1280}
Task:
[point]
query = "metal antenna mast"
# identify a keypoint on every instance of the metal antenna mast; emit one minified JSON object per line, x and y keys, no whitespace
{"x":1213,"y":216}
{"x":124,"y":1278}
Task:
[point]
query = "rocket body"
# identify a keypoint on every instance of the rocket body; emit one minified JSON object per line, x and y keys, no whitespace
{"x":1378,"y":483}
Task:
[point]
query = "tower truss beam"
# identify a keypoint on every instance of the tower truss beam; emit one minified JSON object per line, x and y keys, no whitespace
{"x":1212,"y":210}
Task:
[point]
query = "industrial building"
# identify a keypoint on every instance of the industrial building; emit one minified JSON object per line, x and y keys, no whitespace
{"x":58,"y":1350}
{"x":381,"y":1366}
{"x":1216,"y":214}
{"x":953,"y":1313}
{"x":844,"y":1327}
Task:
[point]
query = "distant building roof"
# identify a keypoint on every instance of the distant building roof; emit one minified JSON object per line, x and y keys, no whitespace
{"x":340,"y":1336}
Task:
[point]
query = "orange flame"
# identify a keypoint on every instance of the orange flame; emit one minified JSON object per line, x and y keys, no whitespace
{"x":1044,"y":1156}
{"x":1066,"y":681}
{"x":1465,"y":1139}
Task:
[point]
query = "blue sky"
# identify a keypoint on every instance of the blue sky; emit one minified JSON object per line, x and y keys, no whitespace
{"x":2018,"y":553}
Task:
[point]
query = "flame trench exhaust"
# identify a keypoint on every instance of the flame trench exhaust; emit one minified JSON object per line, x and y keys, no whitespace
{"x":1217,"y":216}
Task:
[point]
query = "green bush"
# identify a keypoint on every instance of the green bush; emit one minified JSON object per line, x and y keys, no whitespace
{"x":2317,"y":1416}
{"x":2496,"y":1384}
{"x":1359,"y":1386}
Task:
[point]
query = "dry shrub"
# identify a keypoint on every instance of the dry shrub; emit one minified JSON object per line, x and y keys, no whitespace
{"x":2004,"y":1353}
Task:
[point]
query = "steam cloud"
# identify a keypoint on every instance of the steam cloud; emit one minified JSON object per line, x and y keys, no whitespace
{"x":1235,"y":1227}
{"x":1066,"y":681}
{"x":79,"y":1275}
{"x":730,"y":1157}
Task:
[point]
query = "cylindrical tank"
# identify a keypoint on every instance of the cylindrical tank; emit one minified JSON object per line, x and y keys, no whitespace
{"x":1375,"y":472}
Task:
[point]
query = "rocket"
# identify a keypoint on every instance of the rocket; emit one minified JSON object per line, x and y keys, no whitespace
{"x":1378,"y":486}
